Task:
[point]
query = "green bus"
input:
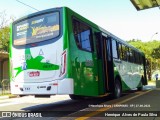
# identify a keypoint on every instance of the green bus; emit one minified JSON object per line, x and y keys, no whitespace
{"x":57,"y":51}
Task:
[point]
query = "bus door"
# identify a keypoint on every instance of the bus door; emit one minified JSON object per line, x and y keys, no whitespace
{"x":105,"y":55}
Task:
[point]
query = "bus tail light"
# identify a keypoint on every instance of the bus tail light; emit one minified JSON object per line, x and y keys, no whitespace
{"x":63,"y":63}
{"x":55,"y":84}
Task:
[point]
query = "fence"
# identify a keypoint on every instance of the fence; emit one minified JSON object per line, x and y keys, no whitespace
{"x":5,"y":87}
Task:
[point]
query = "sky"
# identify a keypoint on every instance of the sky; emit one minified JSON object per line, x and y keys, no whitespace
{"x":116,"y":16}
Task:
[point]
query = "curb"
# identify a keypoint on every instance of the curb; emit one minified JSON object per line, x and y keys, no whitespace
{"x":4,"y":97}
{"x":13,"y":96}
{"x":7,"y":97}
{"x":151,"y":82}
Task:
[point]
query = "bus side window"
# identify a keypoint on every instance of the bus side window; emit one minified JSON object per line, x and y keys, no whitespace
{"x":140,"y":59}
{"x":133,"y":56}
{"x":76,"y":33}
{"x":124,"y":57}
{"x":128,"y":53}
{"x":137,"y":57}
{"x":82,"y":34}
{"x":114,"y":49}
{"x":120,"y":51}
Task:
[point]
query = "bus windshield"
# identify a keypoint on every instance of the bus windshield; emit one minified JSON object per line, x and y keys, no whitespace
{"x":36,"y":29}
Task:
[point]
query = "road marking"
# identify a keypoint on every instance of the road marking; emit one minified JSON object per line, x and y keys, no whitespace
{"x":107,"y":108}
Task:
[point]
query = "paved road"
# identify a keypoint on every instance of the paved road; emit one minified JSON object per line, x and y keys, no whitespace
{"x":139,"y":105}
{"x":53,"y":107}
{"x":56,"y":106}
{"x":142,"y":105}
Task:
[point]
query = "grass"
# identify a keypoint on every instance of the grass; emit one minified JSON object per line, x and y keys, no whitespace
{"x":9,"y":95}
{"x":5,"y":94}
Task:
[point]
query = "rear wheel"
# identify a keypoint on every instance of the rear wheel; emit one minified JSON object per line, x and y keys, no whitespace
{"x":141,"y":85}
{"x":76,"y":97}
{"x":140,"y":88}
{"x":117,"y":90}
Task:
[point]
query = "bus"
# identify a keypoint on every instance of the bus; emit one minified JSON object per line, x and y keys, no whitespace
{"x":59,"y":52}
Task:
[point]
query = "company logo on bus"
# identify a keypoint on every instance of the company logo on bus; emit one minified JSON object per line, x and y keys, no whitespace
{"x":34,"y":74}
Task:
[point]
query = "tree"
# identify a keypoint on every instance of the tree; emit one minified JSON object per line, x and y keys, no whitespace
{"x":4,"y":39}
{"x":156,"y":53}
{"x":3,"y":19}
{"x":4,"y":31}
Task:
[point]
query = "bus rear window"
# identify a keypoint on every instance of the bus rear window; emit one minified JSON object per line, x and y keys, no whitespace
{"x":36,"y":29}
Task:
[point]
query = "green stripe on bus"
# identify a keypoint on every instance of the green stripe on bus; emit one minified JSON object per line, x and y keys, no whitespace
{"x":36,"y":64}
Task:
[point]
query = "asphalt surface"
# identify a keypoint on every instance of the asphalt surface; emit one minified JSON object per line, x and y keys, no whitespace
{"x":134,"y":102}
{"x":143,"y":105}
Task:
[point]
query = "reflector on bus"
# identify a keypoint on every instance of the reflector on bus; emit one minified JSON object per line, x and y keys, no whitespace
{"x":63,"y":63}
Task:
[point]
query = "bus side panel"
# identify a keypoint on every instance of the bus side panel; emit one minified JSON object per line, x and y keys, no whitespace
{"x":66,"y":41}
{"x":84,"y":75}
{"x":98,"y":61}
{"x":10,"y":54}
{"x":130,"y":74}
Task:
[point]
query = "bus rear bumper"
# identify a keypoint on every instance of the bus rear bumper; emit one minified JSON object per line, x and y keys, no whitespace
{"x":56,"y":87}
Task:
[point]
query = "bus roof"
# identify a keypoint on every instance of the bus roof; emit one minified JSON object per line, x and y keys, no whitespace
{"x":37,"y":13}
{"x":85,"y":19}
{"x":107,"y":32}
{"x":120,"y":40}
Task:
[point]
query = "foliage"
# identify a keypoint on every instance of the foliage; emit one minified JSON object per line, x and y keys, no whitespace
{"x":4,"y":31}
{"x":4,"y":39}
{"x":156,"y":53}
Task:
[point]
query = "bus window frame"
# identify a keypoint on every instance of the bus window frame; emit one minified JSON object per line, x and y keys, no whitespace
{"x":120,"y":51}
{"x":44,"y":42}
{"x":112,"y":39}
{"x":90,"y":37}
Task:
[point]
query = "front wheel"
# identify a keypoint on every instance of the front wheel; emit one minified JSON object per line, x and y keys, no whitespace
{"x":117,"y":90}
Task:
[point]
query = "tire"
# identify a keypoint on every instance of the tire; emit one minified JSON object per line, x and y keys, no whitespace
{"x":21,"y":95}
{"x":117,"y":90}
{"x":76,"y":97}
{"x":141,"y":87}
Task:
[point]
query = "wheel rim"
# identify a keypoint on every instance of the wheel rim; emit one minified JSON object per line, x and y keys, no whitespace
{"x":118,"y":91}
